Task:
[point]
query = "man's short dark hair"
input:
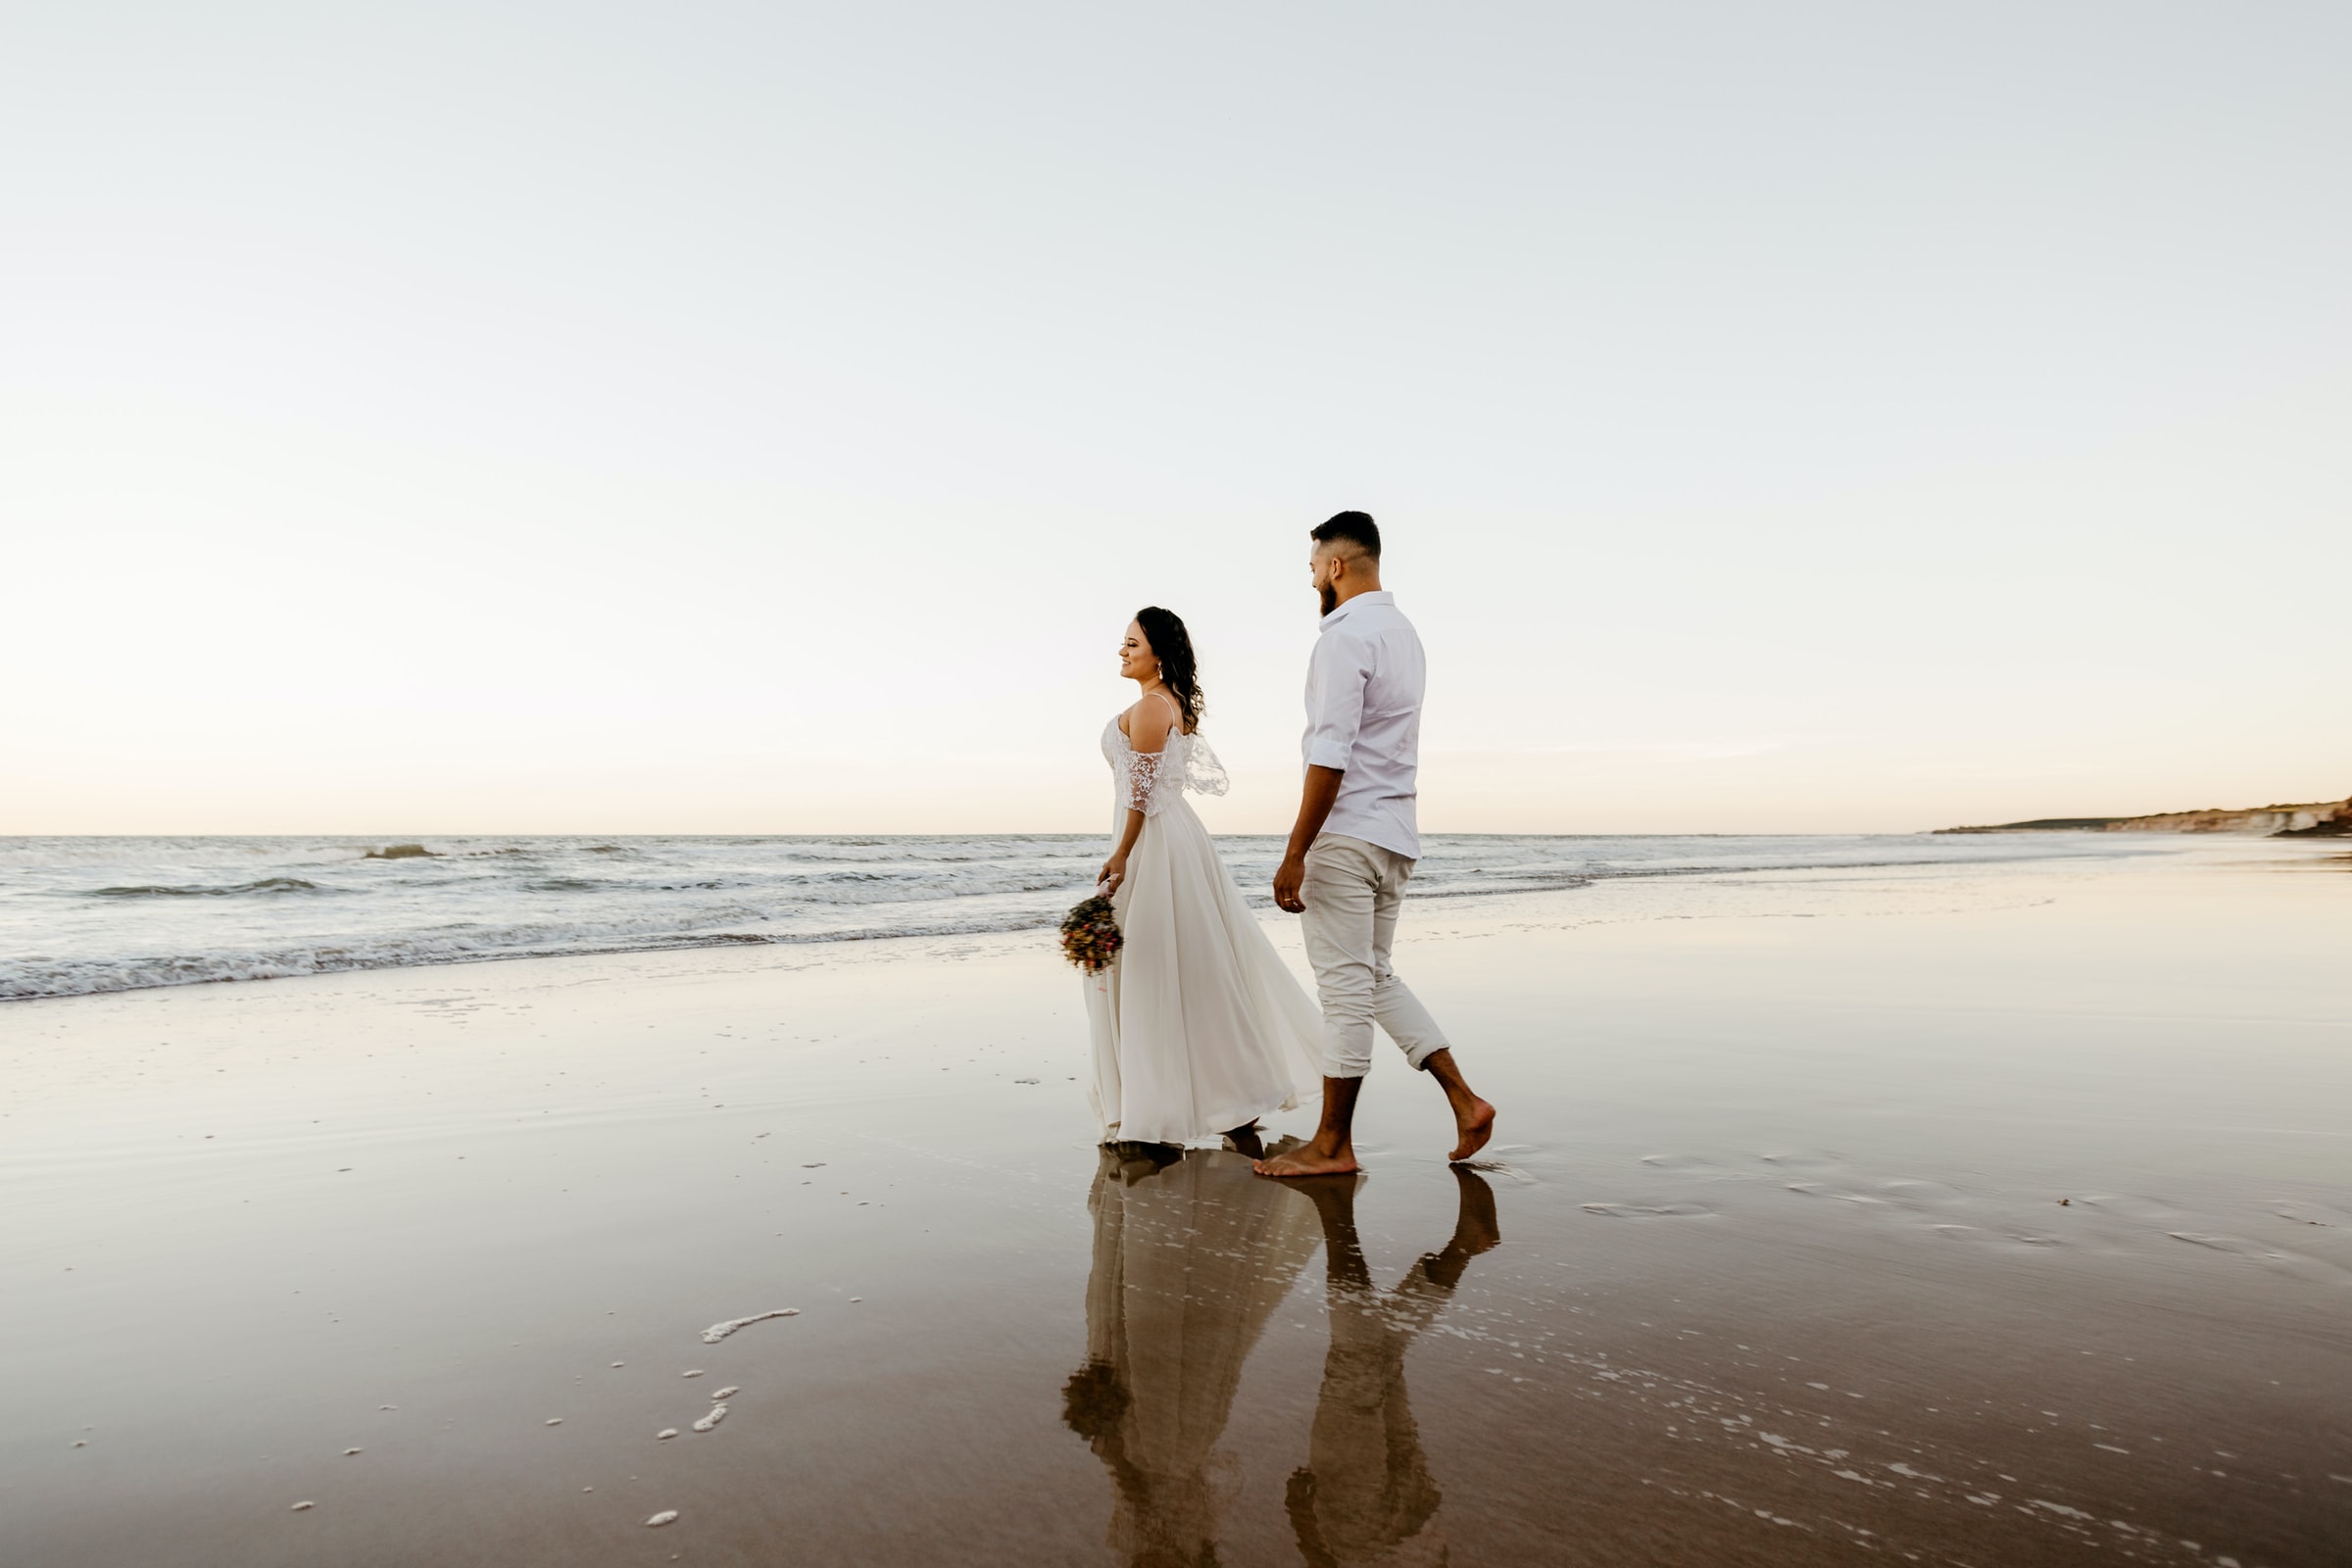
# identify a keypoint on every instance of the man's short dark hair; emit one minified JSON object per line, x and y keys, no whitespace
{"x":1352,"y":527}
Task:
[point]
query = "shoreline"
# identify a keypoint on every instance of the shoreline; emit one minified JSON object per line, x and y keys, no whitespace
{"x":1775,"y":1199}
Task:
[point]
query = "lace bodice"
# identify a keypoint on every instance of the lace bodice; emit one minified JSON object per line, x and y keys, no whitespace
{"x":1148,"y":782}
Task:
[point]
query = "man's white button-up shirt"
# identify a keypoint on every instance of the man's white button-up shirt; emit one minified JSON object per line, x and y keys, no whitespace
{"x":1363,"y":717}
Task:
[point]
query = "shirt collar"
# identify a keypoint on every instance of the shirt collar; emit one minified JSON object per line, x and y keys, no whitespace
{"x":1377,"y":596}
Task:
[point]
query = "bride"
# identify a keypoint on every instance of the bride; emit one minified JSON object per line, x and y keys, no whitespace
{"x":1198,"y":1028}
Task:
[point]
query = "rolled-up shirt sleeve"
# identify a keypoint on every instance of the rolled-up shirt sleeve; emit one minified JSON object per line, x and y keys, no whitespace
{"x":1336,"y":677}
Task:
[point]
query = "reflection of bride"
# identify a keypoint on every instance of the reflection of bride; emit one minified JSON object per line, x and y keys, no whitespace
{"x":1192,"y":1256}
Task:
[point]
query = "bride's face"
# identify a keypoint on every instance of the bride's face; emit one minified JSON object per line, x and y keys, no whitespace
{"x":1136,"y":661}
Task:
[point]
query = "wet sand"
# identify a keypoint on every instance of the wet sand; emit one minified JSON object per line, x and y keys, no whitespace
{"x":1769,"y":1265}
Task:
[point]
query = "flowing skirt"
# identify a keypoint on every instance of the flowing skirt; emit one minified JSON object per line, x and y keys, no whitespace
{"x":1198,"y":1026}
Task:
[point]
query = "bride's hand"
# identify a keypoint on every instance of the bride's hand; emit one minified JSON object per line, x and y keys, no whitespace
{"x":1113,"y":872}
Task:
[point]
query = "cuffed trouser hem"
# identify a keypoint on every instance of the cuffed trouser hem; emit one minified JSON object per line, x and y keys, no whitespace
{"x":1353,"y":894}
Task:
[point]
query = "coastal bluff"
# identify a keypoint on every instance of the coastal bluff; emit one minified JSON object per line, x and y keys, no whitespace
{"x":2312,"y":819}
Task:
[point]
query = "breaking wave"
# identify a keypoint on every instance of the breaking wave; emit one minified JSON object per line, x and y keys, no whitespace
{"x":268,"y":884}
{"x":86,"y":915}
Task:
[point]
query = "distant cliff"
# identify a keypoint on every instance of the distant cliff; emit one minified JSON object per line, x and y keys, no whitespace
{"x":2313,"y":819}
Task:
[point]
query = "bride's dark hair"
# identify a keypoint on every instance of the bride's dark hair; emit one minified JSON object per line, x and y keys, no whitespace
{"x":1164,"y":630}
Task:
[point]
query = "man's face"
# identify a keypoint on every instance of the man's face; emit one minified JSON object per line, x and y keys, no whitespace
{"x":1323,"y":568}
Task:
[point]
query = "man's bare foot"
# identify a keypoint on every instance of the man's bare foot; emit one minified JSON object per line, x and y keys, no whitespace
{"x":1473,"y":1117}
{"x":1475,"y":1121}
{"x":1308,"y":1159}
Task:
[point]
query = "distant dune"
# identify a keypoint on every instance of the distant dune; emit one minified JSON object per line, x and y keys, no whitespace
{"x":2312,"y":819}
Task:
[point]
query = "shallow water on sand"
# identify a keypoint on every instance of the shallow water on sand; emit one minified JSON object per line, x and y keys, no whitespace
{"x":1992,"y":1214}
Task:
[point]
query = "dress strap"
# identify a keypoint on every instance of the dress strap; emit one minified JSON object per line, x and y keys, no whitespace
{"x":1178,"y":726}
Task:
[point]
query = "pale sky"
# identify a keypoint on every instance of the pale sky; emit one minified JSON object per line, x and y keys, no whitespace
{"x":429,"y":419}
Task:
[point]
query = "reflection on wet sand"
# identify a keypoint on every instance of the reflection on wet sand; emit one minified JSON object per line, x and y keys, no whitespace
{"x":1193,"y":1252}
{"x":1365,"y":1495}
{"x":1192,"y":1256}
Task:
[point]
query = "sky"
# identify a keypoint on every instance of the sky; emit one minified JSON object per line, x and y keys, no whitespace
{"x":731,"y":417}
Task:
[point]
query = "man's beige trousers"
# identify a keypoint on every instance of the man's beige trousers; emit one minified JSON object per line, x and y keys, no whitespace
{"x":1352,"y":893}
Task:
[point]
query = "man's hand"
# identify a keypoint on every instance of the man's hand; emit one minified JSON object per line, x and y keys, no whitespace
{"x":1316,"y":801}
{"x":1289,"y":878}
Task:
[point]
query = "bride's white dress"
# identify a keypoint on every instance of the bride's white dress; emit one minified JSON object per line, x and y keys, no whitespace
{"x":1198,"y":1026}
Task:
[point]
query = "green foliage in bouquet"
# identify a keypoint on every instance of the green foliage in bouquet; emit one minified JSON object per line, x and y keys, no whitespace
{"x":1089,"y":935}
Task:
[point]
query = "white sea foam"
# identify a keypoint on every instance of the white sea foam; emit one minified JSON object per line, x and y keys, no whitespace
{"x":94,"y":915}
{"x":720,"y":1331}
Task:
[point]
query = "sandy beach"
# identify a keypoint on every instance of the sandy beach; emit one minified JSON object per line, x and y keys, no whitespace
{"x":1972,"y":1214}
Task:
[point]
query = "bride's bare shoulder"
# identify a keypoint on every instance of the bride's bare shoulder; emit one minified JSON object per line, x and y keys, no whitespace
{"x":1146,"y":725}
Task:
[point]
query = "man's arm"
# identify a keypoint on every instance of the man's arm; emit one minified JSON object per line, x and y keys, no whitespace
{"x":1334,"y":710}
{"x":1316,"y":802}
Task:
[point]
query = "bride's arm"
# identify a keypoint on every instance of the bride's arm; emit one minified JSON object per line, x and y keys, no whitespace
{"x":1114,"y":869}
{"x":1147,"y":725}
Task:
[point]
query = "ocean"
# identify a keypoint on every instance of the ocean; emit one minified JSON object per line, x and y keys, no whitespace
{"x":82,"y":915}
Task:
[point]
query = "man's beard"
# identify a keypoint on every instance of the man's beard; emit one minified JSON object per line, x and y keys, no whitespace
{"x":1331,"y":597}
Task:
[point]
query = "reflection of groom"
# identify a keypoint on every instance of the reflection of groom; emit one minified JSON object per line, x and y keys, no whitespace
{"x":1355,"y":843}
{"x":1365,"y":1493}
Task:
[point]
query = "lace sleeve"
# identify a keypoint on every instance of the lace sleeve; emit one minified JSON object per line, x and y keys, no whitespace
{"x":1143,"y":777}
{"x":1203,"y":774}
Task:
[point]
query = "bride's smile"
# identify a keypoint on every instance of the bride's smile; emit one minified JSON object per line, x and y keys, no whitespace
{"x":1136,"y":661}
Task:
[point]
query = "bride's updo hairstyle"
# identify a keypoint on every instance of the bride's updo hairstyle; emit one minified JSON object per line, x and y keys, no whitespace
{"x":1164,"y":630}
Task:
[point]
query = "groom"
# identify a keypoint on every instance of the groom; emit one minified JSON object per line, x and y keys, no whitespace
{"x":1353,"y":848}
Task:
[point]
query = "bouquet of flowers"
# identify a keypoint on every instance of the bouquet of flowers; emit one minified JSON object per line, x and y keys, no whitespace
{"x":1089,"y":935}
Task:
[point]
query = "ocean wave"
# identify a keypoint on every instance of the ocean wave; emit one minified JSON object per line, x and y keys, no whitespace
{"x":37,"y":978}
{"x":189,"y":911}
{"x":268,"y":884}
